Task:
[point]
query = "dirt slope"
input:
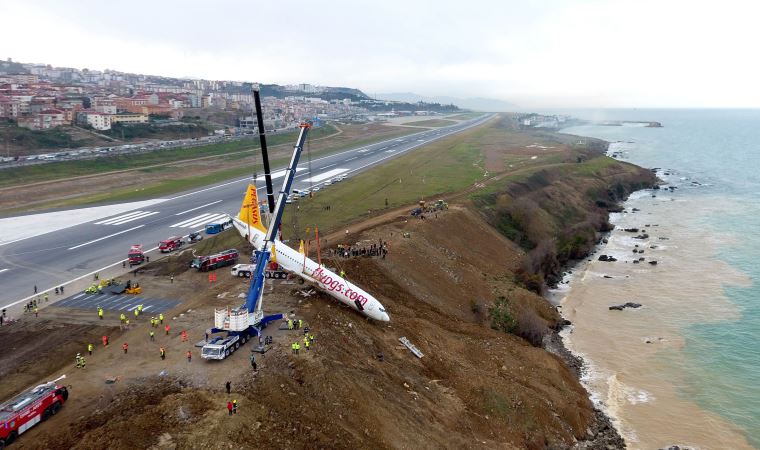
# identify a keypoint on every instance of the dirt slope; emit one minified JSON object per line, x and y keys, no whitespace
{"x":474,"y":388}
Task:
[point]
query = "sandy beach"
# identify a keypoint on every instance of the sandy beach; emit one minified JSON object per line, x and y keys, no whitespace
{"x":633,"y":357}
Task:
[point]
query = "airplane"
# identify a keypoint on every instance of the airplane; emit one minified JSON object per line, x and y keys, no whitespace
{"x":249,"y":225}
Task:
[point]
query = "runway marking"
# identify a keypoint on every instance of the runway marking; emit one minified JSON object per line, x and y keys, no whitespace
{"x":141,"y":216}
{"x":326,"y":175}
{"x":3,"y":270}
{"x":351,"y":159}
{"x":105,"y":237}
{"x":198,"y":207}
{"x":194,"y":219}
{"x":390,"y":151}
{"x":331,"y":165}
{"x":77,"y":296}
{"x":200,"y":220}
{"x":119,"y":217}
{"x":124,"y":218}
{"x":466,"y":126}
{"x":147,"y":308}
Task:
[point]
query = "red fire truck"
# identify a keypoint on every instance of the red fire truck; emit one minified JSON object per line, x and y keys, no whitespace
{"x":29,"y":408}
{"x":171,"y":244}
{"x":135,"y":255}
{"x":211,"y":262}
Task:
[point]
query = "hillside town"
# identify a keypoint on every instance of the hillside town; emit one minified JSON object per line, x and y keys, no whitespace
{"x":42,"y":97}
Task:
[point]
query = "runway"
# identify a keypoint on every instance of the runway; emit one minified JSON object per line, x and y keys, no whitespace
{"x":53,"y":249}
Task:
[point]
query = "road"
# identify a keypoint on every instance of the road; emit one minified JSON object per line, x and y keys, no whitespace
{"x":77,"y":252}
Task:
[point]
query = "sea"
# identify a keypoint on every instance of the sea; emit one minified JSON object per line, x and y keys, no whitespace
{"x":684,"y":368}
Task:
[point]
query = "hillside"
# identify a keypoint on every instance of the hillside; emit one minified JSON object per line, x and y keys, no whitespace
{"x":475,"y":387}
{"x":460,"y":285}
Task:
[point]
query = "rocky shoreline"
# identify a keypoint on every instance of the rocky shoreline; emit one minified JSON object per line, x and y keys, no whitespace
{"x":603,"y":434}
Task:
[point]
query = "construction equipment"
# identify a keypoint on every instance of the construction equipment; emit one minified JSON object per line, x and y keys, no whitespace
{"x":211,"y":262}
{"x":29,"y":408}
{"x":133,"y":289}
{"x":246,"y":321}
{"x":440,"y":205}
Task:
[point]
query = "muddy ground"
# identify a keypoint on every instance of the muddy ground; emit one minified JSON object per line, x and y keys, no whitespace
{"x":358,"y":387}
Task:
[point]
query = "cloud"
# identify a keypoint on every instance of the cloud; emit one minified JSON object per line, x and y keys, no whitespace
{"x":549,"y":53}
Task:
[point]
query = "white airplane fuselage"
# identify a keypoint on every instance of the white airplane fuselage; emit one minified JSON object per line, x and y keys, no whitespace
{"x":308,"y":269}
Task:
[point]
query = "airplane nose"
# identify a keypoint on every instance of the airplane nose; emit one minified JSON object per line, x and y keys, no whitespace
{"x":382,"y":316}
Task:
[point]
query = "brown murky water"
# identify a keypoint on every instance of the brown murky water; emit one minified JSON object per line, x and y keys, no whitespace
{"x":633,"y":355}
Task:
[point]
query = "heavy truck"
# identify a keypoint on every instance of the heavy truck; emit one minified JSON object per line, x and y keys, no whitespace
{"x":135,"y":256}
{"x":211,"y":262}
{"x":29,"y":408}
{"x":246,"y":321}
{"x":272,"y":270}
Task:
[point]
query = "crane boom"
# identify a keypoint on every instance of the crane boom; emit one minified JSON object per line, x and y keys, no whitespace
{"x":262,"y":254}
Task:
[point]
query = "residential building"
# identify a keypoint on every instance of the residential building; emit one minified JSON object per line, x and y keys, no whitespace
{"x":127,"y":118}
{"x":98,"y":121}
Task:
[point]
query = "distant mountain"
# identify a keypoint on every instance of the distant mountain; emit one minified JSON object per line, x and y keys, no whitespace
{"x":474,"y":103}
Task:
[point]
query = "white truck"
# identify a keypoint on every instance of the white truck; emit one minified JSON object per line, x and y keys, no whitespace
{"x":273,"y":270}
{"x":242,"y":270}
{"x":242,"y":325}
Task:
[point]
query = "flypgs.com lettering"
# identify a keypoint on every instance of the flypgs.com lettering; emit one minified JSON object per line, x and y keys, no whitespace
{"x":331,"y":284}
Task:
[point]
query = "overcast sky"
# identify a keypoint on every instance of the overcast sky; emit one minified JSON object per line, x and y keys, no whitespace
{"x":550,"y":53}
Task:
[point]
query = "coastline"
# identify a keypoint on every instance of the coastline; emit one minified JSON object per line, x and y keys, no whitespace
{"x":625,"y":389}
{"x":605,"y":433}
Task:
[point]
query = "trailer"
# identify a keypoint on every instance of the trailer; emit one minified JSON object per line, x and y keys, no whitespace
{"x":29,"y":408}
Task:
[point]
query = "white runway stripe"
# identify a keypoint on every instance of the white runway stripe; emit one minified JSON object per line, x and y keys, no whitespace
{"x":105,"y":237}
{"x":198,"y":207}
{"x":124,"y":218}
{"x":186,"y":222}
{"x":326,"y":175}
{"x":141,"y":216}
{"x":206,"y":220}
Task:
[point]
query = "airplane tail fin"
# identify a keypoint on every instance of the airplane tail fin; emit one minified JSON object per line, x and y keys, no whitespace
{"x":249,"y":211}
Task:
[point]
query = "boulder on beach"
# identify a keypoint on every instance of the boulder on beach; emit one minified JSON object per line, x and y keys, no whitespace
{"x":608,"y":258}
{"x":654,"y":263}
{"x":625,"y":305}
{"x":631,"y":230}
{"x":642,"y":236}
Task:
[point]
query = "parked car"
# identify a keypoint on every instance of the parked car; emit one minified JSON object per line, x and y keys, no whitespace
{"x":194,"y":237}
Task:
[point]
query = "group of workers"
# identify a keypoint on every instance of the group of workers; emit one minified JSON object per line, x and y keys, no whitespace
{"x":308,"y":339}
{"x":154,"y":323}
{"x":347,"y":251}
